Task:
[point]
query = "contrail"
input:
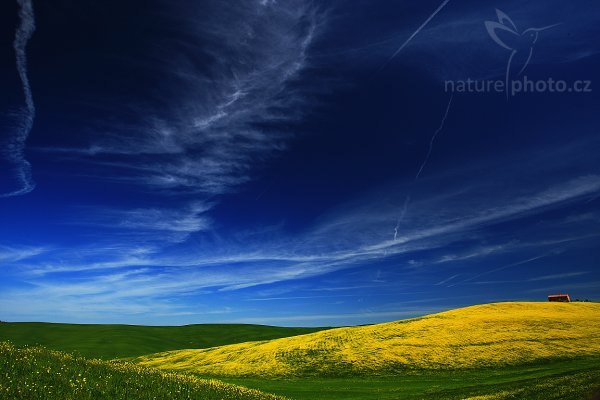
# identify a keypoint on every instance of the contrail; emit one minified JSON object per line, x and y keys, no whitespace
{"x":515,"y":264}
{"x":401,"y":217}
{"x":406,"y":42}
{"x":423,"y":165}
{"x":17,"y":147}
{"x":415,"y":33}
{"x":432,"y":141}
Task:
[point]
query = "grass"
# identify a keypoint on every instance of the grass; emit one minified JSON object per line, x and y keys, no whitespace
{"x":37,"y":373}
{"x":575,"y":379}
{"x":121,"y":341}
{"x":485,"y":336}
{"x":532,"y":351}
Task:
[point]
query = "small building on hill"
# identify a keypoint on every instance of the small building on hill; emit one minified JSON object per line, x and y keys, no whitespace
{"x":563,"y":298}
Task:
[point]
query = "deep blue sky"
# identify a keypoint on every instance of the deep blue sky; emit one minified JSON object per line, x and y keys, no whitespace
{"x":258,"y":160}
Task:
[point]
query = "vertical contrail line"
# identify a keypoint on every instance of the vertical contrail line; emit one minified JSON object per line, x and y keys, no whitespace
{"x":432,"y":141}
{"x":423,"y":165}
{"x":406,"y":42}
{"x":401,"y":217}
{"x":17,"y":147}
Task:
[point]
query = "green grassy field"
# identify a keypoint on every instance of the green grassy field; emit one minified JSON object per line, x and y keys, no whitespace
{"x":501,"y":351}
{"x":34,"y":373}
{"x":37,"y":373}
{"x":576,"y":379}
{"x":121,"y":341}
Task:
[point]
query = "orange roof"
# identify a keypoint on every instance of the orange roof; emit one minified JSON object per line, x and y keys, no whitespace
{"x":557,"y":295}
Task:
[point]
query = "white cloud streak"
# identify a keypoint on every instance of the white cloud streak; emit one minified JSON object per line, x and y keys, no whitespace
{"x":171,"y":224}
{"x":329,"y":319}
{"x":13,"y":254}
{"x":423,"y":165}
{"x":576,"y":188}
{"x":415,"y":33}
{"x":131,"y":281}
{"x":217,"y":121}
{"x":16,"y":147}
{"x":285,"y":261}
{"x":435,"y":135}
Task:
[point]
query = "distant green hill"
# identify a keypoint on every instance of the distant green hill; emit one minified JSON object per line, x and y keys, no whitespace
{"x":120,"y":341}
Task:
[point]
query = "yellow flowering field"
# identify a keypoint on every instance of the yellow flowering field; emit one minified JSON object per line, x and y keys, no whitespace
{"x":489,"y":335}
{"x":35,"y":373}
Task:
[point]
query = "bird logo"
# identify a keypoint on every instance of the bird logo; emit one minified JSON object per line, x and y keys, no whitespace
{"x":505,"y":33}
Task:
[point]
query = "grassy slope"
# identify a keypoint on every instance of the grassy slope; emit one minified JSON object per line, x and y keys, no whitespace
{"x":491,"y":335}
{"x":571,"y":380}
{"x":120,"y":341}
{"x":36,"y":373}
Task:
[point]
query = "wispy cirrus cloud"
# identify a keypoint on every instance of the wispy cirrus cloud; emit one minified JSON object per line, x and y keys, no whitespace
{"x":332,"y":319}
{"x":480,"y":251}
{"x":462,"y":211}
{"x":162,"y":224}
{"x":129,"y":282}
{"x":444,"y":230}
{"x":296,"y":258}
{"x":223,"y":94}
{"x":15,"y":254}
{"x":15,"y":149}
{"x":541,"y":278}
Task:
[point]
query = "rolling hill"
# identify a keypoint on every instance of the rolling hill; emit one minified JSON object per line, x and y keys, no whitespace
{"x":121,"y":341}
{"x":491,"y":335}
